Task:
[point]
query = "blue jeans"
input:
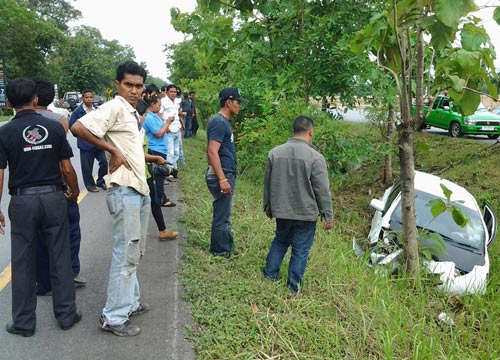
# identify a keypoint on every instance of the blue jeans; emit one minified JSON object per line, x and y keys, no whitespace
{"x":187,"y":125}
{"x":130,"y":216}
{"x":297,"y":234}
{"x":173,"y":147}
{"x":221,"y":239}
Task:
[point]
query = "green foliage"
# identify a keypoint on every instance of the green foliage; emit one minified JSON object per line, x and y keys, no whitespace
{"x":345,"y":310}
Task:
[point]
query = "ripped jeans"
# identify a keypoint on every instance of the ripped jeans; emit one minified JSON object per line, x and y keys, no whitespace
{"x":130,"y":216}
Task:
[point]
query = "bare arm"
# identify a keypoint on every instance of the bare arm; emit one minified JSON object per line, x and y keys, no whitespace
{"x":214,"y":160}
{"x":69,"y":175}
{"x":165,"y":128}
{"x":154,"y":158}
{"x":117,"y":158}
{"x":65,"y":123}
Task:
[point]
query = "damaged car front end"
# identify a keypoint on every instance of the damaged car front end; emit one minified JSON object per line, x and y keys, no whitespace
{"x":457,"y":254}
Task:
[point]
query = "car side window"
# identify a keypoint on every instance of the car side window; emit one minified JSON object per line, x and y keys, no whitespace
{"x":396,"y":190}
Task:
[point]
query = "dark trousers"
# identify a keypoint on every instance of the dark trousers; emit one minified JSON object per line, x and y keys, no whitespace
{"x":194,"y":126}
{"x":156,"y":205}
{"x":87,"y":162}
{"x":221,"y":238}
{"x":159,"y":181}
{"x":42,"y":254}
{"x":31,"y":215}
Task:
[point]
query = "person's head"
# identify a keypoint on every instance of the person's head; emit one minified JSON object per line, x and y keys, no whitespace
{"x":230,"y":99}
{"x":142,"y":107}
{"x":186,"y":94}
{"x":178,"y":91}
{"x":44,"y":90}
{"x":21,"y":93}
{"x":151,"y":89}
{"x":303,"y":127}
{"x":87,"y":97}
{"x":192,"y":94}
{"x":171,"y":91}
{"x":129,"y":83}
{"x":153,"y":102}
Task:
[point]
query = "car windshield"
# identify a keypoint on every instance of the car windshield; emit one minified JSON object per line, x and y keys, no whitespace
{"x":471,"y":235}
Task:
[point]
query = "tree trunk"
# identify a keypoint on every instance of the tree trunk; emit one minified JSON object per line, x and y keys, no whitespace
{"x":387,"y":177}
{"x":410,"y":245}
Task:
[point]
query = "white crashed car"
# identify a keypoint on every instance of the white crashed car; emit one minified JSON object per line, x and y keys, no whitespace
{"x":463,"y":264}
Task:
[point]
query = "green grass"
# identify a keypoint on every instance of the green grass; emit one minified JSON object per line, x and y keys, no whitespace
{"x":4,"y":118}
{"x":345,"y":310}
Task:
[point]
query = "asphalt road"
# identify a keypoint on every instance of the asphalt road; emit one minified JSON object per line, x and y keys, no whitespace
{"x":163,"y":327}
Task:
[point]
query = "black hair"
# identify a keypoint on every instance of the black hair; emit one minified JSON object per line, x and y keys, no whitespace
{"x":85,"y":91}
{"x":141,"y":107}
{"x":151,"y":88}
{"x":132,"y":68}
{"x":168,"y":87}
{"x":21,"y":92}
{"x":44,"y":90}
{"x":151,"y":99}
{"x":302,"y":124}
{"x":192,"y":92}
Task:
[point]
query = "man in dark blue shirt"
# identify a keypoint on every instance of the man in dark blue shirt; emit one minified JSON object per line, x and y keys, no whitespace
{"x":221,"y":172}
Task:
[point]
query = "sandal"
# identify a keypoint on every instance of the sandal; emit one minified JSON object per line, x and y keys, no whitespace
{"x":169,"y":204}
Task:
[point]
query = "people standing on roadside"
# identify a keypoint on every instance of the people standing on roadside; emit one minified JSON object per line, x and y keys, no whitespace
{"x":221,"y":172}
{"x":194,"y":119}
{"x":296,"y":192}
{"x":187,"y":108}
{"x":169,"y":112}
{"x":45,"y":93}
{"x":37,"y":152}
{"x":116,"y":128}
{"x":89,"y":152}
{"x":155,"y":131}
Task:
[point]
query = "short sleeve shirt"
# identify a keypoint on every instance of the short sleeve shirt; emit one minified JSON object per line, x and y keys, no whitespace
{"x":171,"y":108}
{"x":219,"y":129}
{"x":117,"y":123}
{"x":33,"y":146}
{"x":152,"y":124}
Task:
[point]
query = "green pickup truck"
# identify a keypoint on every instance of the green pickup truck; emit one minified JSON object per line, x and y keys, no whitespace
{"x":443,"y":116}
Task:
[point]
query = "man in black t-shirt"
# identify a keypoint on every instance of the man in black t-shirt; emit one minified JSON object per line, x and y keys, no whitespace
{"x":36,"y":151}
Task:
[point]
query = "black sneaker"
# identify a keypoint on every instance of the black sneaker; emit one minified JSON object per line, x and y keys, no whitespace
{"x":126,"y":329}
{"x":140,"y":310}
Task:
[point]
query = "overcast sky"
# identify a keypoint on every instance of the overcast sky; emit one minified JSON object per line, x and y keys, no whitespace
{"x":144,"y":25}
{"x":134,"y":26}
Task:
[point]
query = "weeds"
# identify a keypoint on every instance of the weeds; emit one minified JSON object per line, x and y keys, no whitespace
{"x":344,"y":309}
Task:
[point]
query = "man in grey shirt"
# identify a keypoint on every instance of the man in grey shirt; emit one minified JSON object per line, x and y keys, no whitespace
{"x":296,"y":192}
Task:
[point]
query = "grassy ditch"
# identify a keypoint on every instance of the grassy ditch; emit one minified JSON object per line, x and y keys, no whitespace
{"x":345,"y":310}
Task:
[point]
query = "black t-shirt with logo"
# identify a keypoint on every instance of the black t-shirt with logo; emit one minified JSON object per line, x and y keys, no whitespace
{"x":33,"y":146}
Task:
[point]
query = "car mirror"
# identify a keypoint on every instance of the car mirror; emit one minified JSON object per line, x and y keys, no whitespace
{"x":491,"y":223}
{"x":377,"y":204}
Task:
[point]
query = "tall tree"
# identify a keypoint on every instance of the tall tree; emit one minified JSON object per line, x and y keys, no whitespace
{"x":300,"y":51}
{"x":59,"y":12}
{"x":396,"y":37}
{"x":25,"y":39}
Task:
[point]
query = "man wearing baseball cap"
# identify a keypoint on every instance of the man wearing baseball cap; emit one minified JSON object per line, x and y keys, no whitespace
{"x":221,"y":171}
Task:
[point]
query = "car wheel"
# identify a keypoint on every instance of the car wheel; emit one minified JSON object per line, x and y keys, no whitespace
{"x":455,"y":130}
{"x":493,"y":136}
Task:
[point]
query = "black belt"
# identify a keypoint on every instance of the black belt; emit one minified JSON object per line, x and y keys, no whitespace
{"x":36,"y":190}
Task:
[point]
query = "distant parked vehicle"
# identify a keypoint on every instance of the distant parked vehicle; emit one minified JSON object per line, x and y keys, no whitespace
{"x":443,"y":115}
{"x":98,"y":101}
{"x":73,"y":98}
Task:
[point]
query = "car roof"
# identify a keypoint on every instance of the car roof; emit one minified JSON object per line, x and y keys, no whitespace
{"x":430,"y":184}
